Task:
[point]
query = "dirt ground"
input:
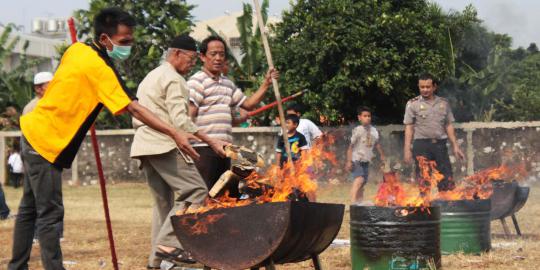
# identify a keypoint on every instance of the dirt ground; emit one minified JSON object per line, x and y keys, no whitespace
{"x":86,"y":245}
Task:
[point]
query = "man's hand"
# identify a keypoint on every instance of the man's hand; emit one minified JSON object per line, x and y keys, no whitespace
{"x":271,"y":74}
{"x":243,"y":117}
{"x":458,"y":153}
{"x":348,"y":166}
{"x":407,"y":156}
{"x":182,"y":141}
{"x":218,"y":146}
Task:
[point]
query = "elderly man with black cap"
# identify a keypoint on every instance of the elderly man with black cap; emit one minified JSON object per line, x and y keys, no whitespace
{"x":169,"y":172}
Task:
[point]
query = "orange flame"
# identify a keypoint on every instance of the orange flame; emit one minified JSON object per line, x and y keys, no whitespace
{"x":478,"y":186}
{"x":394,"y":193}
{"x":201,"y":224}
{"x":279,"y":184}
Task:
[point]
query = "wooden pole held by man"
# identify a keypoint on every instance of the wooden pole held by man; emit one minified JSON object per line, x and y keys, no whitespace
{"x":275,"y":85}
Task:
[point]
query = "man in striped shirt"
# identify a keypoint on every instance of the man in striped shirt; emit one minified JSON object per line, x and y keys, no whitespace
{"x":213,"y":98}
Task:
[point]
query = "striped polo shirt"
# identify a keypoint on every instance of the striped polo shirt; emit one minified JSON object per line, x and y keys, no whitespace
{"x":215,"y":98}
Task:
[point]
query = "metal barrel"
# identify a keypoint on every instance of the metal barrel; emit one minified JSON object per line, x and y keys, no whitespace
{"x":395,"y":238}
{"x":465,"y":226}
{"x":251,"y":236}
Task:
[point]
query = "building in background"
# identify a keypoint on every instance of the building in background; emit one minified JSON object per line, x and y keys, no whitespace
{"x":47,"y":34}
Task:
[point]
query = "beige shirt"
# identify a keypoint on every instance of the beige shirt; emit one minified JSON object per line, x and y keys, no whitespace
{"x":430,"y":117}
{"x":363,"y":140}
{"x":30,"y":106}
{"x":164,"y":92}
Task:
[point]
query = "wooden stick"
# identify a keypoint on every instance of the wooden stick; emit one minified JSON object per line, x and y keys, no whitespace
{"x":262,"y":28}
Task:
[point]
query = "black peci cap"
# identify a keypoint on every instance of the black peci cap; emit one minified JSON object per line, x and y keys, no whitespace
{"x":184,"y":42}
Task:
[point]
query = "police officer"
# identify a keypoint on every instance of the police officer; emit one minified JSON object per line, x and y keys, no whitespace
{"x":428,"y":120}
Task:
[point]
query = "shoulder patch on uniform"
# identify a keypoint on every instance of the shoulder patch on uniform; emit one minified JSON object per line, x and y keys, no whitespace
{"x":413,"y":100}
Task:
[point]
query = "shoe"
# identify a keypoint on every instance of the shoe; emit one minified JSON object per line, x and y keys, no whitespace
{"x":176,"y":256}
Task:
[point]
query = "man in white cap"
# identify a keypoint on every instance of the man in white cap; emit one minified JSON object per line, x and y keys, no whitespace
{"x":41,"y":81}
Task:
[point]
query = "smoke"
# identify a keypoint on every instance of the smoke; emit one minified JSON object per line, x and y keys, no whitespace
{"x":518,"y":19}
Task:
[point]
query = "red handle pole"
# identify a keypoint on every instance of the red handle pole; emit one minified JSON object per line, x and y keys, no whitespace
{"x":273,"y":104}
{"x":72,"y":30}
{"x":102,"y":182}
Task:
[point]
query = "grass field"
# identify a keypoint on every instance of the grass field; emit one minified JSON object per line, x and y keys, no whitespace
{"x":86,"y":245}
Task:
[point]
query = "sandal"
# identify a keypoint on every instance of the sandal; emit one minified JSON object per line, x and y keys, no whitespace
{"x":176,"y":256}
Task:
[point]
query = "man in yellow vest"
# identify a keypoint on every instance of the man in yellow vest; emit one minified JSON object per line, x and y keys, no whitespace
{"x":85,"y":82}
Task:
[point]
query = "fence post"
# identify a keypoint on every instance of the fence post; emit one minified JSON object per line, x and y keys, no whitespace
{"x":75,"y":171}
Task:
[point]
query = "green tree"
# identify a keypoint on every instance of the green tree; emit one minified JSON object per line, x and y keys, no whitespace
{"x":518,"y":88}
{"x":351,"y":53}
{"x":15,"y":85}
{"x":158,"y":21}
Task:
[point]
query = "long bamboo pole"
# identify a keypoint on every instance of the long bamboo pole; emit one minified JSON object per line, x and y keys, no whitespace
{"x":275,"y":85}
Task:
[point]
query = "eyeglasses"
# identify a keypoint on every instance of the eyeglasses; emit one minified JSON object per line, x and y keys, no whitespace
{"x":192,"y":56}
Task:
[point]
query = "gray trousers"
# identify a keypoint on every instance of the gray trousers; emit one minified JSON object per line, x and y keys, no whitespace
{"x":175,"y":185}
{"x":40,"y":205}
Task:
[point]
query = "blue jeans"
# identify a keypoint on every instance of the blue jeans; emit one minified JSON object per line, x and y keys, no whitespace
{"x":4,"y":209}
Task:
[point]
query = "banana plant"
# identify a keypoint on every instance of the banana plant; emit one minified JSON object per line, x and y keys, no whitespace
{"x":16,"y":84}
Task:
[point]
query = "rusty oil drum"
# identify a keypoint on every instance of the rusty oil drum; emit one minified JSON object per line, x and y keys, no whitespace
{"x":395,"y":238}
{"x":465,"y":226}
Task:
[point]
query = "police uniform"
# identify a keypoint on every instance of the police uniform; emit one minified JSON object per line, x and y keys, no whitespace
{"x":430,"y":118}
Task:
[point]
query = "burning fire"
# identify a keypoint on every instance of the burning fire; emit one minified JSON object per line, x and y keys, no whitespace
{"x":392,"y":192}
{"x":479,"y":185}
{"x":292,"y":182}
{"x":200,"y":225}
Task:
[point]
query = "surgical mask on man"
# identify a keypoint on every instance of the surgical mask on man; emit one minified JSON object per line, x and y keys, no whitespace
{"x":118,"y":52}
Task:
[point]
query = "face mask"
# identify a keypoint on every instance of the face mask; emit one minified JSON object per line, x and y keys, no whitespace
{"x":119,"y":52}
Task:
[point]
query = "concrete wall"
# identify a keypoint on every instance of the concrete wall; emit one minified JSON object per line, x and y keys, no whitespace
{"x":482,"y":142}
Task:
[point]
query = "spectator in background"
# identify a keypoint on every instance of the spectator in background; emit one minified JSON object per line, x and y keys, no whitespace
{"x":364,"y":139}
{"x":306,"y":127}
{"x":9,"y":119}
{"x":296,"y":141}
{"x":41,"y":81}
{"x":15,"y":165}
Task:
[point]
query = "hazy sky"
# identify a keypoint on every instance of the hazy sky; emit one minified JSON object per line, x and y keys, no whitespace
{"x":518,"y":18}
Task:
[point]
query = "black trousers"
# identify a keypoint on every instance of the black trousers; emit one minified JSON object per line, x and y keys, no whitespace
{"x":40,"y":205}
{"x":435,"y":150}
{"x":16,"y":179}
{"x":4,"y":209}
{"x":211,"y":166}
